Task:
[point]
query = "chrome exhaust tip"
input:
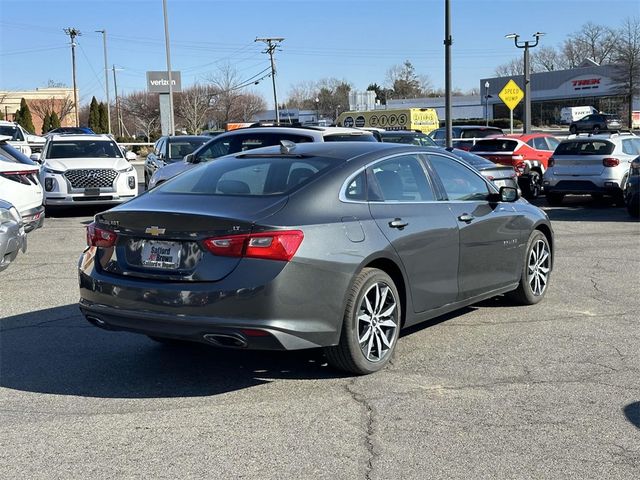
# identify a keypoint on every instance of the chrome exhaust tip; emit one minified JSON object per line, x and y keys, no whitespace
{"x":226,"y":340}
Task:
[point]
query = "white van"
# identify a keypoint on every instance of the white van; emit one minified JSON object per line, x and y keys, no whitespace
{"x":571,"y":114}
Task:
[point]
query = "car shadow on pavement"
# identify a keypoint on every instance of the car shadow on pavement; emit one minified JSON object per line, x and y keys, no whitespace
{"x":56,"y":351}
{"x":632,"y":412}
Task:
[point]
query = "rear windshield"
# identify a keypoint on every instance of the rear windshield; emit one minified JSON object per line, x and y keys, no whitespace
{"x":497,"y":145}
{"x":591,"y":147}
{"x":349,"y":138}
{"x":254,"y":176}
{"x":10,"y":154}
{"x":84,"y":149}
{"x":472,"y":159}
{"x":479,"y":132}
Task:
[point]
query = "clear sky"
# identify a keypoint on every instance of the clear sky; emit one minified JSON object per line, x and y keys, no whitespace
{"x":352,"y":40}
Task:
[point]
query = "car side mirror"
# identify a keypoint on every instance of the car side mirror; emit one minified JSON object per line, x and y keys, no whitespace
{"x":508,"y":194}
{"x":190,"y":158}
{"x":36,"y":157}
{"x":129,"y":155}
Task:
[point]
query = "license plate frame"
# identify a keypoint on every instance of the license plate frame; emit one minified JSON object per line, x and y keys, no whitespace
{"x":92,"y":192}
{"x":161,"y":255}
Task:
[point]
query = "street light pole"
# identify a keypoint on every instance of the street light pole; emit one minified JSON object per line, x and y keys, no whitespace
{"x":106,"y":78}
{"x":317,"y":111}
{"x":172,"y":128}
{"x":486,"y":104}
{"x":526,"y":116}
{"x":73,"y":33}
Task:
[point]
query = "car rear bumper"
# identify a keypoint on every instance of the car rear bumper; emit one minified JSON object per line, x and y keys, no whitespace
{"x":283,"y":311}
{"x":33,"y":218}
{"x":581,"y":187}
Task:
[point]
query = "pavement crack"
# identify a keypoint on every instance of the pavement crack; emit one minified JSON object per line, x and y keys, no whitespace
{"x":41,"y":324}
{"x":369,"y":414}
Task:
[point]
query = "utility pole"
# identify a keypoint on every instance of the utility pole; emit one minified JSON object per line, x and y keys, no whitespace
{"x":172,"y":127}
{"x":115,"y":88}
{"x":272,"y":44}
{"x":106,"y":78}
{"x":73,"y":33}
{"x":448,"y":41}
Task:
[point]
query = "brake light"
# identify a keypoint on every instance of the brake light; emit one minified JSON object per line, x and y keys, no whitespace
{"x":98,"y":237}
{"x":20,"y":176}
{"x":610,"y":162}
{"x":276,"y":245}
{"x":551,"y":162}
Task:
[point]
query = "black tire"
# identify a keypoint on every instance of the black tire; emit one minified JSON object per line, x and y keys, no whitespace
{"x":349,"y":355}
{"x":633,"y":206}
{"x":531,"y":190}
{"x":536,"y":269}
{"x":554,"y":199}
{"x":573,"y":129}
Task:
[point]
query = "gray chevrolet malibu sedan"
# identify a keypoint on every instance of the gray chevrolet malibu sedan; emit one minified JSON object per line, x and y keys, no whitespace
{"x":312,"y":245}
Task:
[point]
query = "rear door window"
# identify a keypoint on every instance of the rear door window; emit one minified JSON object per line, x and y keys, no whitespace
{"x":539,"y":143}
{"x":401,"y":179}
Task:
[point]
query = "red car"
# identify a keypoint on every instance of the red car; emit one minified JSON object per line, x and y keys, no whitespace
{"x":528,"y":153}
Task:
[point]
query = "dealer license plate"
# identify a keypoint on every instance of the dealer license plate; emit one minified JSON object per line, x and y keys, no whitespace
{"x":165,"y":255}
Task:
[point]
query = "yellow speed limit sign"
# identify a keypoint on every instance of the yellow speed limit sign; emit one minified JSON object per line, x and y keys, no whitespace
{"x":511,"y":94}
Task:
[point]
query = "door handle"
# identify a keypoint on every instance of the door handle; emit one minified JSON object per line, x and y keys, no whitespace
{"x":465,"y":217}
{"x":398,"y":223}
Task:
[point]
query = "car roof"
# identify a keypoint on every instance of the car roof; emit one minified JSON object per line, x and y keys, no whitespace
{"x":173,"y":138}
{"x":296,"y":129}
{"x":342,"y":150}
{"x":526,"y":136}
{"x":81,"y":137}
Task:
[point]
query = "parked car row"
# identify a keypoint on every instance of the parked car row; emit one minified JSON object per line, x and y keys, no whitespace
{"x":73,"y":169}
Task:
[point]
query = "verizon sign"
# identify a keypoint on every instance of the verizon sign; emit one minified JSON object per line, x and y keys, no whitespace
{"x":158,"y":82}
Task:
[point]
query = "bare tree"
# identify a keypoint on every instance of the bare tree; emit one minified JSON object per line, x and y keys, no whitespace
{"x":301,"y":94}
{"x":546,"y":59}
{"x":193,"y":107}
{"x":226,"y":88}
{"x":332,"y":94}
{"x":512,"y":68}
{"x":62,"y":107}
{"x":595,"y":42}
{"x":247,"y":105}
{"x":626,"y":57}
{"x":142,"y":109}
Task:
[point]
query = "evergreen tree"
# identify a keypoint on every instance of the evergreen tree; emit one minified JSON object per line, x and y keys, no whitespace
{"x":104,"y":124}
{"x":17,"y":117}
{"x":25,"y":117}
{"x":94,"y":116}
{"x":46,"y":123}
{"x":55,"y":120}
{"x":1,"y":115}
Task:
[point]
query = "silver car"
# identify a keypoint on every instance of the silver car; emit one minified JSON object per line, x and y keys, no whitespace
{"x":13,"y":238}
{"x":243,"y":139}
{"x":591,"y":164}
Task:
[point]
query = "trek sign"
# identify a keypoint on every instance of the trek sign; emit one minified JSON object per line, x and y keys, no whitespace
{"x":158,"y":82}
{"x":511,"y":94}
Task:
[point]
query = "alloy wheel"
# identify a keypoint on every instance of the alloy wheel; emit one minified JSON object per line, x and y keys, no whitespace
{"x":377,"y":322}
{"x":538,"y":267}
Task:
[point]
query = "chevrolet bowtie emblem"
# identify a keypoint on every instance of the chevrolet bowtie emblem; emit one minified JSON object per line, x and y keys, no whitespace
{"x":154,"y":230}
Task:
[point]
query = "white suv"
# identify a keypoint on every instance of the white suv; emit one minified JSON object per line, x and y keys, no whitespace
{"x":86,"y":170}
{"x":20,"y":185}
{"x":20,"y":139}
{"x":591,"y":164}
{"x":254,"y":137}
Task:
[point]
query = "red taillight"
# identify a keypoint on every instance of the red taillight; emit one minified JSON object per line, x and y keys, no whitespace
{"x":20,"y":176}
{"x":520,"y":168}
{"x":551,"y":162}
{"x":610,"y":162}
{"x":278,"y":245}
{"x":98,"y":237}
{"x":252,"y":332}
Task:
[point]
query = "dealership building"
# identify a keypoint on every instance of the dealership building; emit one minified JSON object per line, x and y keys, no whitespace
{"x":587,"y":85}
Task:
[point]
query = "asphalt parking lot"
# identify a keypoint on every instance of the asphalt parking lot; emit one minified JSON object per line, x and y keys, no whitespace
{"x":492,"y":391}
